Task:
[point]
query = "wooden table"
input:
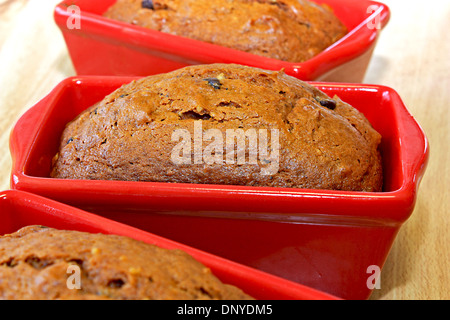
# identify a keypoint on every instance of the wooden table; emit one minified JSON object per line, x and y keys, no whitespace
{"x":412,"y":56}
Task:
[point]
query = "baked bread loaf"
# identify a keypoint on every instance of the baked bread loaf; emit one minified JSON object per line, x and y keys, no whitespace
{"x":36,"y":263}
{"x":289,"y":30}
{"x":178,"y":127}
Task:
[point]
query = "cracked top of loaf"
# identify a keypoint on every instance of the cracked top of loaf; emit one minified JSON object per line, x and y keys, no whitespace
{"x":312,"y":141}
{"x":40,"y":263}
{"x":289,"y":30}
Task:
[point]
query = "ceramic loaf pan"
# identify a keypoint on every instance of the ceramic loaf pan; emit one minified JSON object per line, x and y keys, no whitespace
{"x":101,"y":46}
{"x":19,"y":209}
{"x":321,"y":238}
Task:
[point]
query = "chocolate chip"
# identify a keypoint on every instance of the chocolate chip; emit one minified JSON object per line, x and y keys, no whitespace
{"x":147,"y":4}
{"x":78,"y":262}
{"x":328,"y":103}
{"x":214,"y":82}
{"x":194,"y":115}
{"x":38,"y":263}
{"x":115,"y":283}
{"x":11,"y":263}
{"x":70,"y":140}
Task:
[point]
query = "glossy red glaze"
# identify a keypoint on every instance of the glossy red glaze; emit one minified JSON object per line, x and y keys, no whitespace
{"x":19,"y":209}
{"x":320,"y":238}
{"x":105,"y":47}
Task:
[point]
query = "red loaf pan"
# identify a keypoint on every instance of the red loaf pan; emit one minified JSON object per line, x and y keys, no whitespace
{"x":19,"y":209}
{"x":324,"y":239}
{"x":102,"y":46}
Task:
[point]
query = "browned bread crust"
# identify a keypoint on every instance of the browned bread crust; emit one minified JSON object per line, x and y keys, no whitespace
{"x":289,"y":30}
{"x":324,"y":143}
{"x":35,"y":264}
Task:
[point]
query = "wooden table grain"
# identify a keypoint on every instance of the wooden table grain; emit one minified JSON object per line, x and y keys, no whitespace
{"x":412,"y":56}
